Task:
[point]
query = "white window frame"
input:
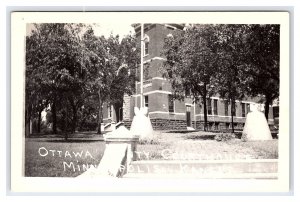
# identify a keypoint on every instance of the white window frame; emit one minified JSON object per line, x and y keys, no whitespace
{"x":146,"y":40}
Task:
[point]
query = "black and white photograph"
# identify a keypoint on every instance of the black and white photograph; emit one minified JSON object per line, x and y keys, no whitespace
{"x":136,"y":98}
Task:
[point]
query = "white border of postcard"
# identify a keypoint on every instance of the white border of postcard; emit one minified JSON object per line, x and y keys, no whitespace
{"x":36,"y":184}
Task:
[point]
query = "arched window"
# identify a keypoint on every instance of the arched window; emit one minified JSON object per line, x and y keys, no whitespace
{"x":146,"y":44}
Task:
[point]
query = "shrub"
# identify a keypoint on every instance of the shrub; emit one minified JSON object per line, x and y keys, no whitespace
{"x":47,"y":130}
{"x":149,"y":141}
{"x":88,"y":126}
{"x":223,"y":137}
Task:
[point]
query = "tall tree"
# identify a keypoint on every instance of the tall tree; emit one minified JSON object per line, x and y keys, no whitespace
{"x":232,"y":54}
{"x":102,"y":66}
{"x":55,"y":61}
{"x":263,"y":62}
{"x":125,"y":76}
{"x":191,"y":63}
{"x":34,"y":94}
{"x":112,"y":68}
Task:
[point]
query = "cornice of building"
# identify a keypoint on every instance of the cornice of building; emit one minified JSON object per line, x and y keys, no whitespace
{"x":147,"y":26}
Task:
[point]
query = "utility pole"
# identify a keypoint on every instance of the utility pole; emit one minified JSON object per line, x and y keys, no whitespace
{"x":142,"y":64}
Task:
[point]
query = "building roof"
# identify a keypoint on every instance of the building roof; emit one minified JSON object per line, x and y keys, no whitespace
{"x":137,"y":26}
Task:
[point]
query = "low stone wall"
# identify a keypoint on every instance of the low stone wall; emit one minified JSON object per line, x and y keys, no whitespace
{"x":162,"y":124}
{"x":168,"y":124}
{"x":171,"y":124}
{"x":217,"y":126}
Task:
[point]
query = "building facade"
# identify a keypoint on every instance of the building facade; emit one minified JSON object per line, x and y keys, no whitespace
{"x":166,"y":113}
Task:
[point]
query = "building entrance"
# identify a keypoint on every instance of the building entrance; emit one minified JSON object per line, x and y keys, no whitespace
{"x":188,"y":116}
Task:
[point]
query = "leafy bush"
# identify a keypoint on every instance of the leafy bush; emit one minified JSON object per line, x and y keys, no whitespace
{"x":47,"y":130}
{"x":88,"y":126}
{"x":223,"y":137}
{"x":149,"y":141}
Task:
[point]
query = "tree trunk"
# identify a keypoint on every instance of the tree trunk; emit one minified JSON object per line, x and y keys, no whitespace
{"x":74,"y":121}
{"x":65,"y":118}
{"x":66,"y":123}
{"x":27,"y":121}
{"x":27,"y":128}
{"x":39,"y":122}
{"x":267,"y":103}
{"x":232,"y":111}
{"x":99,"y":113}
{"x":54,"y":124}
{"x":205,"y":115}
{"x":205,"y":109}
{"x":74,"y":118}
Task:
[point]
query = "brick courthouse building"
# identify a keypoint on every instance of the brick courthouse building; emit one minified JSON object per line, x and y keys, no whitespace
{"x":168,"y":114}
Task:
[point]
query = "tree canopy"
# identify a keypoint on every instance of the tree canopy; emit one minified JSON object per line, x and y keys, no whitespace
{"x":68,"y":68}
{"x":230,"y":61}
{"x":191,"y":63}
{"x":263,"y":60}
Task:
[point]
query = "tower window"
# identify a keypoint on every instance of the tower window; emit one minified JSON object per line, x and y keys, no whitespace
{"x":146,"y":48}
{"x":109,"y":111}
{"x":146,"y":101}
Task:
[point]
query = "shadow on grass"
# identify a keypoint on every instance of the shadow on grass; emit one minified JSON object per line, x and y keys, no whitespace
{"x":200,"y":137}
{"x":70,"y":140}
{"x":75,"y":137}
{"x":33,"y":136}
{"x":182,"y":131}
{"x":238,"y":135}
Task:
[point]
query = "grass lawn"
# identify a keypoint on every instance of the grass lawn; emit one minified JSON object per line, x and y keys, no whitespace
{"x":54,"y":157}
{"x":51,"y":156}
{"x":202,"y":146}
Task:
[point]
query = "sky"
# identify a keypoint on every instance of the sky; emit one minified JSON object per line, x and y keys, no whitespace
{"x":105,"y":29}
{"x":121,"y":29}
